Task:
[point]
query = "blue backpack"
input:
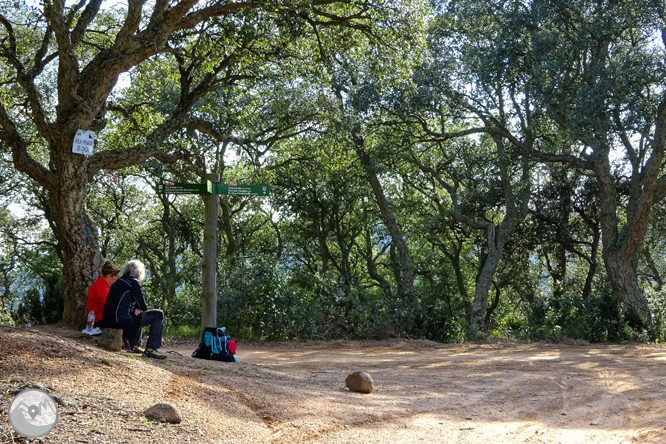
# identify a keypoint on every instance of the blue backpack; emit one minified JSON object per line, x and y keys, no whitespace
{"x":215,"y":345}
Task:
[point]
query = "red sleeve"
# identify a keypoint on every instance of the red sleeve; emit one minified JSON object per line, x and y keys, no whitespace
{"x":97,"y":294}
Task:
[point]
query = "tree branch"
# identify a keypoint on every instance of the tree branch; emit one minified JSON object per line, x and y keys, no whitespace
{"x":130,"y":26}
{"x":26,"y":80}
{"x":117,"y":159}
{"x":84,"y":21}
{"x":196,"y":17}
{"x":22,"y":160}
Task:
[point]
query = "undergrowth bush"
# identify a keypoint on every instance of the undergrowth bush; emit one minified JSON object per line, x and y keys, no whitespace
{"x":598,"y":318}
{"x":261,"y":299}
{"x":257,"y":300}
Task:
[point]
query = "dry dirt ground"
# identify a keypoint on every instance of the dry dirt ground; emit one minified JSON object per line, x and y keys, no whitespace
{"x":295,"y":392}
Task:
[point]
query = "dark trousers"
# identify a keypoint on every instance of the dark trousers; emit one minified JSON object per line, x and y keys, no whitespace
{"x":132,"y":328}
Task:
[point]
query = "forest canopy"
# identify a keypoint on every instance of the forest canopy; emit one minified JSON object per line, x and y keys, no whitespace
{"x":446,"y":170}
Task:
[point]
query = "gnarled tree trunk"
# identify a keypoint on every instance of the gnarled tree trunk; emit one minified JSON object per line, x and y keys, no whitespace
{"x":78,"y":236}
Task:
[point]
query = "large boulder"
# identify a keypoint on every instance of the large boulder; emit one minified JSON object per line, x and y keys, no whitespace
{"x":163,"y":412}
{"x":360,"y":382}
{"x":111,"y":339}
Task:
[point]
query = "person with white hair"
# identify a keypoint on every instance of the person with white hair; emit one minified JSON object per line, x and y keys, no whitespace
{"x":126,"y":308}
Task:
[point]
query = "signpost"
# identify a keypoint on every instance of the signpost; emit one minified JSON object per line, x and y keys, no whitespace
{"x":210,"y":189}
{"x":185,"y":188}
{"x":209,"y":269}
{"x":241,"y":190}
{"x":214,"y":188}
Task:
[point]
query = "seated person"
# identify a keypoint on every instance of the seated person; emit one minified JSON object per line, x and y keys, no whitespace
{"x":100,"y":289}
{"x":126,"y":308}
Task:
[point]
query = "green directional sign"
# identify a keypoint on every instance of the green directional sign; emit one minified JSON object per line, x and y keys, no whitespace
{"x":241,"y":190}
{"x":185,"y":188}
{"x":214,"y":188}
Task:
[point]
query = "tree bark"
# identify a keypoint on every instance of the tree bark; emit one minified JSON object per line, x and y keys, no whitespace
{"x":625,"y":282}
{"x":621,"y":247}
{"x":78,"y":236}
{"x":495,"y":246}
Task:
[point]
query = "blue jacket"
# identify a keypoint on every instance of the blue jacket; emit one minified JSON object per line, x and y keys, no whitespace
{"x":124,"y":296}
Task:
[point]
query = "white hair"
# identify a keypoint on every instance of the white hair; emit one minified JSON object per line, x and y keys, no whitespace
{"x":135,"y":269}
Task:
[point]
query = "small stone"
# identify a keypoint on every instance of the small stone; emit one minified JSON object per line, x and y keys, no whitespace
{"x":360,"y":382}
{"x":163,"y":412}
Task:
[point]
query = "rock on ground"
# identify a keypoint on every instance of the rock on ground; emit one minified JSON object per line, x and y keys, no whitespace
{"x":163,"y":412}
{"x":111,"y":339}
{"x":360,"y":382}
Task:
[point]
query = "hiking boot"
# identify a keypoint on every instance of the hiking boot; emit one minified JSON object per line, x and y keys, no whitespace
{"x":152,"y":353}
{"x":126,"y":346}
{"x":137,"y":349}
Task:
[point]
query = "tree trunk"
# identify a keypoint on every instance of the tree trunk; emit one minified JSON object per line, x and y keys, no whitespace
{"x":494,"y":305}
{"x":77,"y":234}
{"x":620,"y":248}
{"x":623,"y":278}
{"x":517,"y":199}
{"x":344,"y":266}
{"x":587,"y":288}
{"x":483,"y":283}
{"x":407,"y":272}
{"x":403,"y":264}
{"x":372,"y":268}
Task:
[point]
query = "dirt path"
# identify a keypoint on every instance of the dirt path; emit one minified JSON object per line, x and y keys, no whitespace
{"x":294,"y":393}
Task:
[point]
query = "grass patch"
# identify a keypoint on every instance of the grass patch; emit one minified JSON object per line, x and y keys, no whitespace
{"x":184,"y":331}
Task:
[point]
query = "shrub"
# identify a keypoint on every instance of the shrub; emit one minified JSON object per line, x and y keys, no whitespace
{"x":595,"y":319}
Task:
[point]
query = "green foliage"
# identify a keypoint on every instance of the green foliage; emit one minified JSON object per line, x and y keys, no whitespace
{"x":6,"y":317}
{"x":596,"y":319}
{"x":273,"y":94}
{"x":256,"y":302}
{"x":30,"y":309}
{"x":183,"y":331}
{"x":54,"y":289}
{"x":42,"y":304}
{"x":183,"y":310}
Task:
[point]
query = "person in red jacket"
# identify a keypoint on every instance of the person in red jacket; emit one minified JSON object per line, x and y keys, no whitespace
{"x":99,"y":290}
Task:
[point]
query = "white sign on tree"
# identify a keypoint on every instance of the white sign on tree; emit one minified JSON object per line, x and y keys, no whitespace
{"x":83,"y":142}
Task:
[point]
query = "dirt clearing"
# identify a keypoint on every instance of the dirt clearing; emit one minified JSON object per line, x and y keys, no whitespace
{"x":295,"y":393}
